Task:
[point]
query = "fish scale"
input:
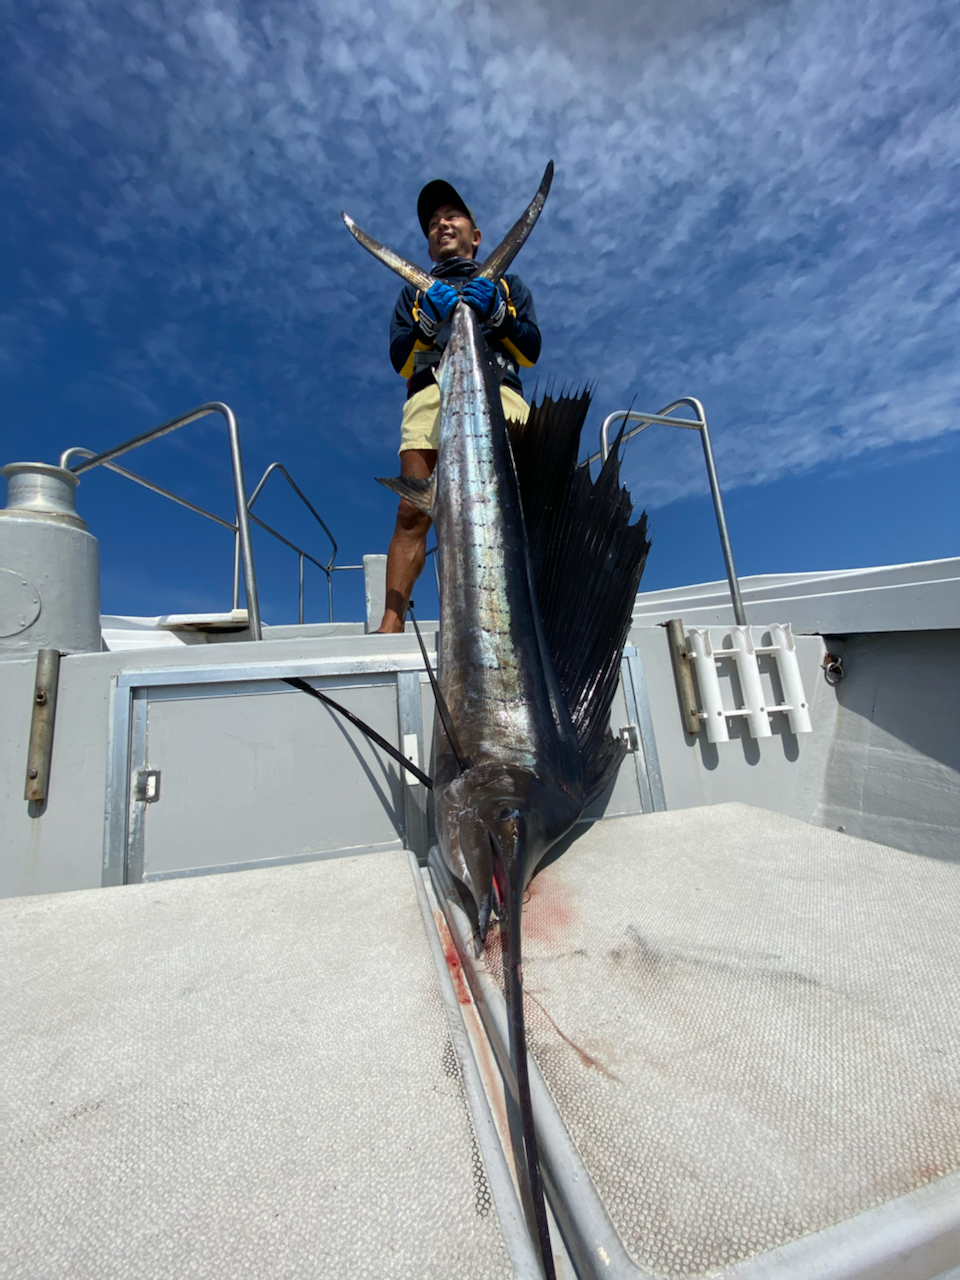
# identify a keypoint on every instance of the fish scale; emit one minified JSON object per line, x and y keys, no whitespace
{"x":490,"y":654}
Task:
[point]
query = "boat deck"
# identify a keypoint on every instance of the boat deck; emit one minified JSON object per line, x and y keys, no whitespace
{"x":239,"y":1076}
{"x":746,"y":1029}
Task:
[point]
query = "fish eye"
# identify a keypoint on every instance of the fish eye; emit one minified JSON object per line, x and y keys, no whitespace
{"x":506,"y":814}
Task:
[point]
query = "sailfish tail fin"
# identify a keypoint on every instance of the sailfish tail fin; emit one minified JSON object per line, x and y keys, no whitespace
{"x":587,"y":560}
{"x":495,"y":265}
{"x":508,"y":248}
{"x":412,"y":274}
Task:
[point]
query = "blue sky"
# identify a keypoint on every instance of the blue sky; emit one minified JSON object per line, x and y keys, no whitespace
{"x":755,"y":204}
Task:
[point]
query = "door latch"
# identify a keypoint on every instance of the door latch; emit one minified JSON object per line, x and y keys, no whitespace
{"x":146,"y":785}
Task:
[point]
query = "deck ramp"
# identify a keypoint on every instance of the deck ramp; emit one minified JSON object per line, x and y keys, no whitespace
{"x":245,"y":1075}
{"x":748,"y":1033}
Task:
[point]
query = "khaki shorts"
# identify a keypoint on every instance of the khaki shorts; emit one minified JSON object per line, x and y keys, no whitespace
{"x":420,"y":428}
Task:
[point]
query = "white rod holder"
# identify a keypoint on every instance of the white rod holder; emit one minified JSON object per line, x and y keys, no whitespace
{"x":705,"y":665}
{"x":754,"y":700}
{"x":790,"y":679}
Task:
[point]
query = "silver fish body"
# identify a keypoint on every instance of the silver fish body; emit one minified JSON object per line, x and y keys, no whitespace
{"x":523,"y":786}
{"x":517,"y":784}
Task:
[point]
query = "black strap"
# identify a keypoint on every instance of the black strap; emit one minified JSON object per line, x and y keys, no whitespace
{"x":445,"y":718}
{"x":372,"y":734}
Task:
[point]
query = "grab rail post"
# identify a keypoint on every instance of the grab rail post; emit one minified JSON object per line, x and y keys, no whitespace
{"x":649,"y":419}
{"x":327,"y":568}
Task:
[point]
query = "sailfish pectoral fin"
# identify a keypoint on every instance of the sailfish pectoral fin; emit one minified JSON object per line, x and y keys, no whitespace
{"x":420,"y":493}
{"x":412,"y":274}
{"x":510,"y":245}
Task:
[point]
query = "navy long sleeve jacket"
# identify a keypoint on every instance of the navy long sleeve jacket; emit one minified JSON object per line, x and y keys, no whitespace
{"x":515,"y":344}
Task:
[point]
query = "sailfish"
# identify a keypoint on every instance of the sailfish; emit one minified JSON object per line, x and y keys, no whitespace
{"x":539,"y":568}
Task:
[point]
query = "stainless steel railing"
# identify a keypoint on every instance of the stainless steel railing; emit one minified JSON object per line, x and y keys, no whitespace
{"x":243,"y":553}
{"x":242,"y":526}
{"x":327,"y":569}
{"x":645,"y":420}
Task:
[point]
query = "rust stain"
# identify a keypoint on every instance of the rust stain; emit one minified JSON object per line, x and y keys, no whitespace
{"x":460,"y":985}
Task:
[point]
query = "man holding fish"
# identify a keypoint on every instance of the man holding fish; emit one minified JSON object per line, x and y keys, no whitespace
{"x":419,"y":332}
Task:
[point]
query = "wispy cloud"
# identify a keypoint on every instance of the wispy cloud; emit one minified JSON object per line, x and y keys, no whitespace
{"x":757,"y":207}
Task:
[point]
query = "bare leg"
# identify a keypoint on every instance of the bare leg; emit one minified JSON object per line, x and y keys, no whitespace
{"x":408,"y":546}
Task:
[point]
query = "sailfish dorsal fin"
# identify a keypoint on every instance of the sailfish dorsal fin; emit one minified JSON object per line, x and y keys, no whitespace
{"x":587,"y":559}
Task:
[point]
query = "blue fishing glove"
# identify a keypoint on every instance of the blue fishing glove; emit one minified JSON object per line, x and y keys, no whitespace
{"x":487,"y":300}
{"x":435,"y":307}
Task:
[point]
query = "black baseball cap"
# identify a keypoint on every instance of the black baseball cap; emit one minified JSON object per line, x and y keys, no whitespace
{"x":435,"y":194}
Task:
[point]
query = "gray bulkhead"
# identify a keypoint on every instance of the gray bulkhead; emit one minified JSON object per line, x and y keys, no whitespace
{"x":251,"y":772}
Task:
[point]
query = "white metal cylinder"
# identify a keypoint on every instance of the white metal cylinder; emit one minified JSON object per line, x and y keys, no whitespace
{"x":49,"y":566}
{"x":754,"y":699}
{"x":790,"y":679}
{"x":708,"y":681}
{"x":375,"y":587}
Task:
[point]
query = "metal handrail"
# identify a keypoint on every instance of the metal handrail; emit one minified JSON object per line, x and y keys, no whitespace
{"x":242,"y":526}
{"x":79,"y":452}
{"x":648,"y":420}
{"x":243,"y":548}
{"x":328,"y":569}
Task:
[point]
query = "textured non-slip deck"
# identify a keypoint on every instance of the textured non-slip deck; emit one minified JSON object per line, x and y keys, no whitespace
{"x":243,"y":1075}
{"x":750,"y":1027}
